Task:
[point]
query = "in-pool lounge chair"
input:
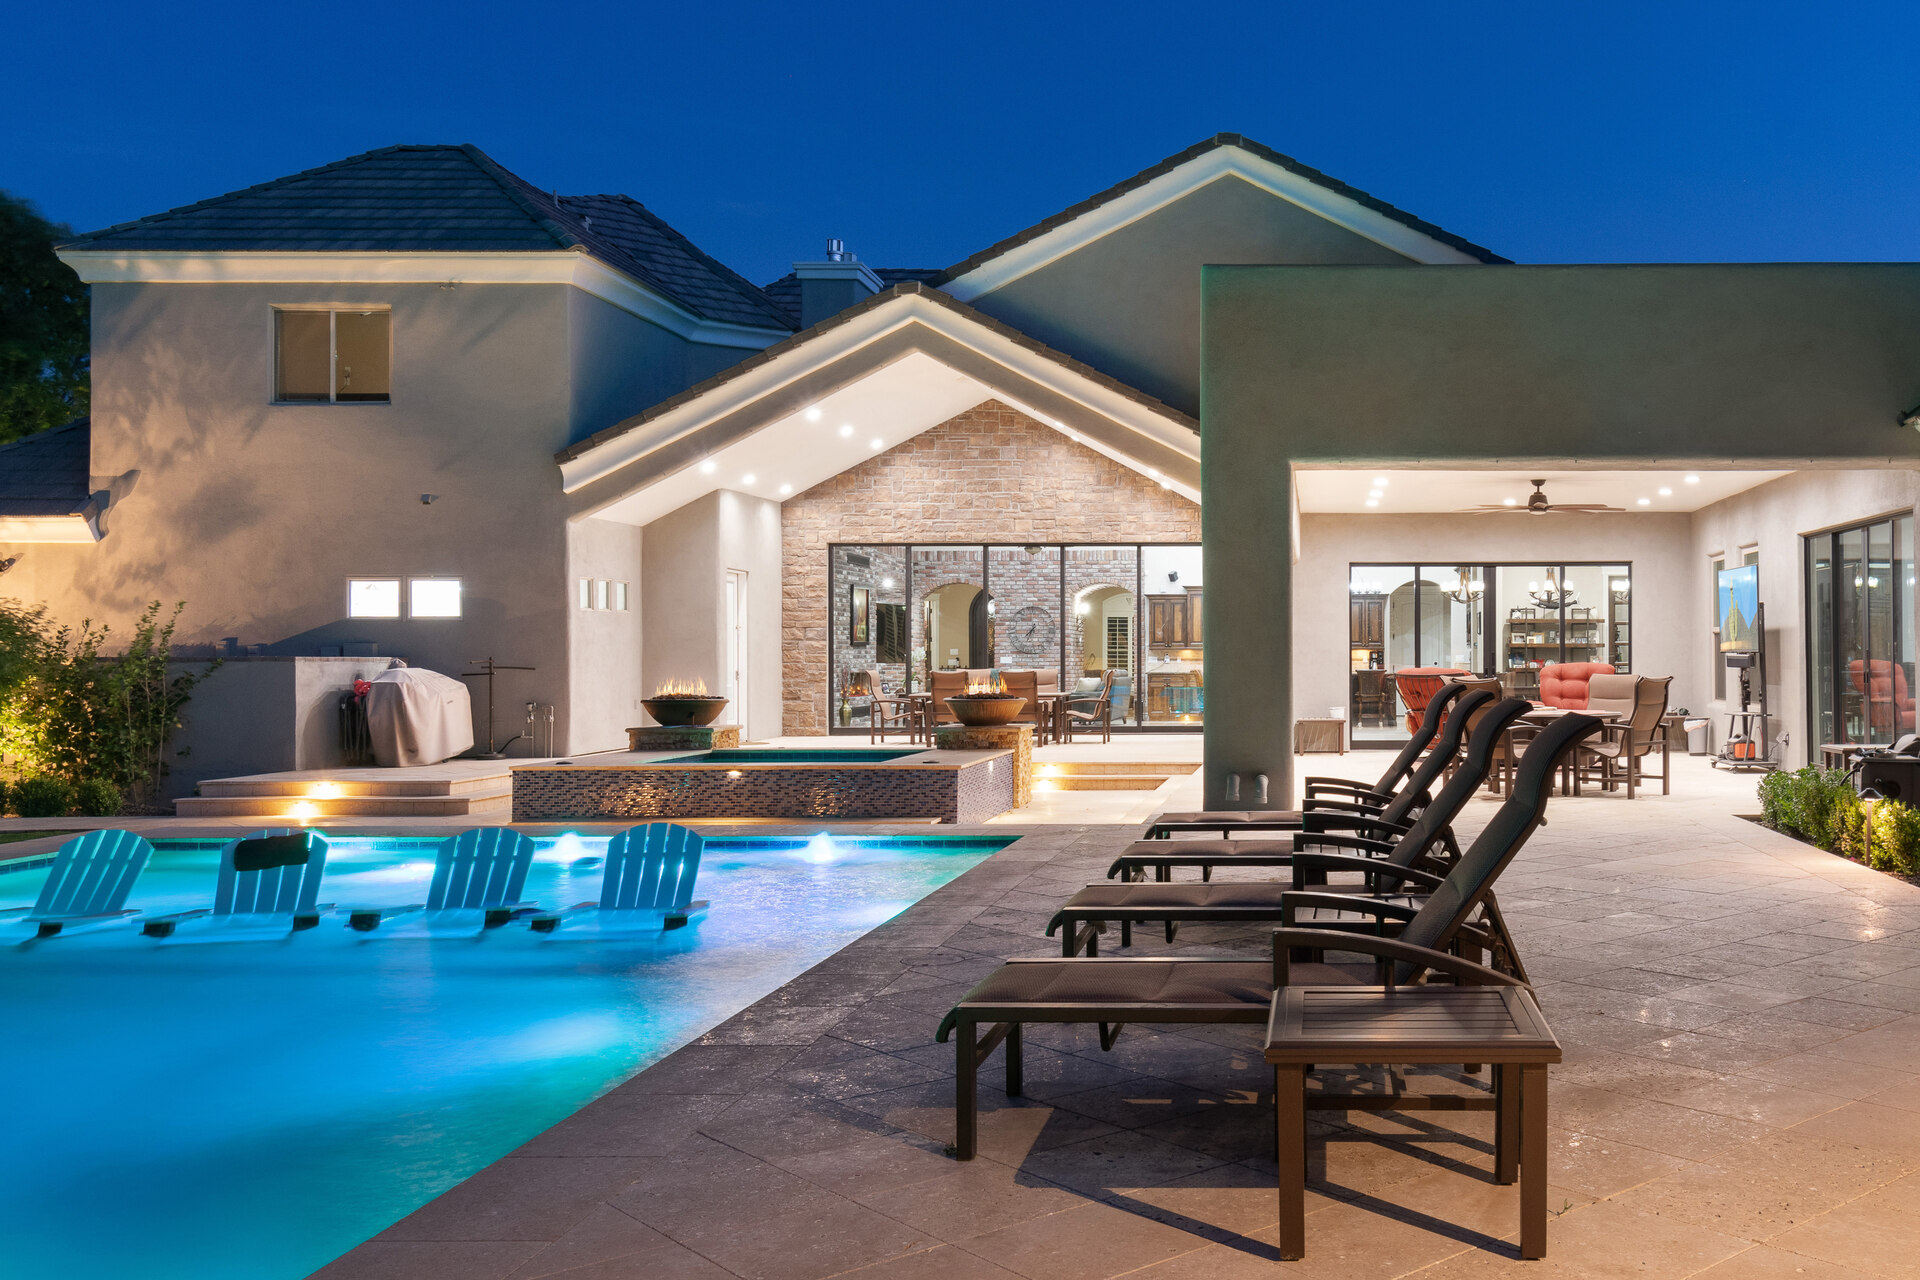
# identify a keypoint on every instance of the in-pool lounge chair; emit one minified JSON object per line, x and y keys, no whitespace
{"x":88,"y":884}
{"x":477,"y":880}
{"x":647,"y":887}
{"x":1084,"y":916}
{"x":1230,"y":821}
{"x":267,"y":888}
{"x":1325,"y":814}
{"x":1428,"y":842}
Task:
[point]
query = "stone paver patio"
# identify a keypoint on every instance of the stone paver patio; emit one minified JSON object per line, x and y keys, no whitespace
{"x":1741,"y":1016}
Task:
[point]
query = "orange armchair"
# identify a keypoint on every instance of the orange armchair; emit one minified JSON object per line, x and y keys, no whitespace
{"x":1889,"y":701}
{"x":1564,"y":684}
{"x":1417,"y":687}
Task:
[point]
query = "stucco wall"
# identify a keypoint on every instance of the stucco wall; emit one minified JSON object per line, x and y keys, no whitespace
{"x":990,"y":474}
{"x":1774,"y":517}
{"x":685,"y":558}
{"x":603,"y":668}
{"x":1666,"y":625}
{"x":1129,"y":303}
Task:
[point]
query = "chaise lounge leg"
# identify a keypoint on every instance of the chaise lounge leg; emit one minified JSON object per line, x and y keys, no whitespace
{"x":966,"y":1120}
{"x":1016,"y":1069}
{"x":1506,"y":1123}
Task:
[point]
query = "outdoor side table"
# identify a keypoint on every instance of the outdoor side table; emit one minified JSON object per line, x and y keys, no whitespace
{"x":1374,"y":1026}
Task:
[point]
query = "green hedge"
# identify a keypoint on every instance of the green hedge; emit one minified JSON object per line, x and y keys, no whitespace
{"x":1821,"y":807}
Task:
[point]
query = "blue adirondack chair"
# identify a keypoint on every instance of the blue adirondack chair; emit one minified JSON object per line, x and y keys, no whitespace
{"x":647,"y":886}
{"x":267,"y":888}
{"x":89,"y":883}
{"x":477,"y":881}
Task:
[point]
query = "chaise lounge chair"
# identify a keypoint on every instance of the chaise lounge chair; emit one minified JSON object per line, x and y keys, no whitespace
{"x":647,"y":887}
{"x":266,"y":889}
{"x":1227,"y":821}
{"x":1085,"y":915}
{"x":88,"y":884}
{"x":477,"y":880}
{"x":1428,"y":842}
{"x":1327,"y":815}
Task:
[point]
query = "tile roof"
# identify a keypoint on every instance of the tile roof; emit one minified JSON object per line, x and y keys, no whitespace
{"x":785,"y":291}
{"x":47,"y":473}
{"x":1194,"y":152}
{"x":906,"y":288}
{"x":446,"y":199}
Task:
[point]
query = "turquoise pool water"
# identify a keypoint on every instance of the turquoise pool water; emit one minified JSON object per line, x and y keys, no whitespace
{"x":250,"y":1110}
{"x":794,"y":755}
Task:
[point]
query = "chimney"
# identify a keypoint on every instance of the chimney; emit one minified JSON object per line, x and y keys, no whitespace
{"x":830,"y":286}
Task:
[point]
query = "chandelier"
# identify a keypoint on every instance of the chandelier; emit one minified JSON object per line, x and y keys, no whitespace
{"x":1469,"y":591}
{"x":1549,"y":596}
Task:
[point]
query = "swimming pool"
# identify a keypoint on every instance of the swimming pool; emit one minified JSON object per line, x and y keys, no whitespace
{"x":254,"y":1109}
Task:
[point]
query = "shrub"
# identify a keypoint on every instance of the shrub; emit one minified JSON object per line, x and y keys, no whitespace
{"x":5,"y":797}
{"x":1896,"y":838}
{"x":42,"y":796}
{"x":97,"y":798}
{"x":1806,"y":802}
{"x":1776,"y":800}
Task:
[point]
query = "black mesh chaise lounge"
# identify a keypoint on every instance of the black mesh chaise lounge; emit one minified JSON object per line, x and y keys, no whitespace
{"x":1377,"y":796}
{"x":1426,"y":839}
{"x":1085,"y":915}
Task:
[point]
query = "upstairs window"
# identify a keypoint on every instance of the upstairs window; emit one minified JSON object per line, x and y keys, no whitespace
{"x":373,"y":597}
{"x":331,"y":357}
{"x":433,"y":597}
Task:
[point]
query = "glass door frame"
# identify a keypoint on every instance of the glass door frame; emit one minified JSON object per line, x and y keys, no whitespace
{"x":1900,"y":628}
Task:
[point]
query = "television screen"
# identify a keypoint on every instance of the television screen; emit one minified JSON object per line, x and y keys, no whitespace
{"x":1739,"y":609}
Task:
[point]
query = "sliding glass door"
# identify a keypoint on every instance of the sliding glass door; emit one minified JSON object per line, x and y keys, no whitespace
{"x":1859,"y":585}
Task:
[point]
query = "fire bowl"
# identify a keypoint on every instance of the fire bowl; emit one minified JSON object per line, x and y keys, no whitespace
{"x":681,"y":710}
{"x":982,"y":710}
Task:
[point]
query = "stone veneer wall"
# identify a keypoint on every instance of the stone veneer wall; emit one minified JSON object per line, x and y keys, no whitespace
{"x":990,"y":474}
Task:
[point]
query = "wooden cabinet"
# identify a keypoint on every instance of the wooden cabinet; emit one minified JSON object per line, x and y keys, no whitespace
{"x":1367,"y":628}
{"x":1174,"y":622}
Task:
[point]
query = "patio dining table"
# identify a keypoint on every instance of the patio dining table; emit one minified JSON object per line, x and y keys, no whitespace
{"x":1530,"y":723}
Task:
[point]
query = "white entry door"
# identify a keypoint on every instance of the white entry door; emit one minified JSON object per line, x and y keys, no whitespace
{"x":736,"y":649}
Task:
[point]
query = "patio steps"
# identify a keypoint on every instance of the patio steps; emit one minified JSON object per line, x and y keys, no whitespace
{"x":1108,"y":775}
{"x":352,"y":793}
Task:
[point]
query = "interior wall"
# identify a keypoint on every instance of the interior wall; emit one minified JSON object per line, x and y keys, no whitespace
{"x":604,"y":677}
{"x":1659,"y":547}
{"x":685,"y":556}
{"x":1774,"y":517}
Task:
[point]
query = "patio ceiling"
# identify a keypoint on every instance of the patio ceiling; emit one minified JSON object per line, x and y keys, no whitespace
{"x":1334,"y":492}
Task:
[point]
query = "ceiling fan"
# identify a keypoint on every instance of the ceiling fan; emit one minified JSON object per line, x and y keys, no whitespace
{"x":1537,"y":504}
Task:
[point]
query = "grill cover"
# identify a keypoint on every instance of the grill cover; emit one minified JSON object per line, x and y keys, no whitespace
{"x":418,"y":717}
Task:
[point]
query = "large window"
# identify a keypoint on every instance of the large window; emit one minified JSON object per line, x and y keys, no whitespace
{"x":1860,"y":651}
{"x":1493,"y":620}
{"x":1070,"y":612}
{"x":330,"y":357}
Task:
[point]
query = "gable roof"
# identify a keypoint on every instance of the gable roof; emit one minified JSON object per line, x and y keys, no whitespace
{"x":445,"y":199}
{"x":46,"y":473}
{"x":785,"y":292}
{"x":1199,"y":150}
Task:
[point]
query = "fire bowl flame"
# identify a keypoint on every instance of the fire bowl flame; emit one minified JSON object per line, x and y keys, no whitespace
{"x":982,"y":710}
{"x":683,"y":702}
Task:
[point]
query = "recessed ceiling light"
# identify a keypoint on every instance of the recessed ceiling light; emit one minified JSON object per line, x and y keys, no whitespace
{"x":1379,"y":482}
{"x":846,"y":428}
{"x":706,"y":468}
{"x":1155,"y":474}
{"x":1509,"y":502}
{"x":1693,"y":479}
{"x":875,"y":443}
{"x":786,"y":488}
{"x":1373,"y":493}
{"x":1665,"y":492}
{"x":1641,"y":502}
{"x":813,"y":415}
{"x":747,"y":479}
{"x":1373,"y":502}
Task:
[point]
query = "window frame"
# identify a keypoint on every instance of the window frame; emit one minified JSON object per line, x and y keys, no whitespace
{"x":332,"y":311}
{"x":399,"y":582}
{"x":455,"y":578}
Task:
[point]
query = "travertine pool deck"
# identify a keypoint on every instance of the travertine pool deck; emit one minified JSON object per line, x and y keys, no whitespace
{"x":1742,"y":1022}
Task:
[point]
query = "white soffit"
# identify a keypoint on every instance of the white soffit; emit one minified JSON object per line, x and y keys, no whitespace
{"x":584,"y":272}
{"x":1333,"y":492}
{"x":1221,"y":162}
{"x":46,"y":529}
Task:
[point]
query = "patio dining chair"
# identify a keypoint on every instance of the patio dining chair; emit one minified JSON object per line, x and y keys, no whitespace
{"x":1094,"y":710}
{"x":894,"y":716}
{"x":1621,"y":753}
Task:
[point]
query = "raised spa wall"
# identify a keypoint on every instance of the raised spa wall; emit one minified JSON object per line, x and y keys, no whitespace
{"x":945,"y":786}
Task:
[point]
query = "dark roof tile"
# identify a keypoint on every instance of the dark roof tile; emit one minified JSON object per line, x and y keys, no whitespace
{"x":47,"y":473}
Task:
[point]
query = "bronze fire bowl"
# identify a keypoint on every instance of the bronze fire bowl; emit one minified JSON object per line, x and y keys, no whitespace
{"x":676,"y":710}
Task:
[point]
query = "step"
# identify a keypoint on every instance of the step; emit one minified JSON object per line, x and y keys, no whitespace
{"x":343,"y":806}
{"x":1131,"y":768}
{"x":294,"y":786}
{"x":1101,"y":782}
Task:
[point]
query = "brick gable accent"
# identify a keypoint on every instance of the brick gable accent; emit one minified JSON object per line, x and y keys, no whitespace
{"x":991,"y":474}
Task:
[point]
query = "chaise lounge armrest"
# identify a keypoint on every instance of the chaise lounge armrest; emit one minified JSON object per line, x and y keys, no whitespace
{"x":1374,"y":827}
{"x":1375,"y":871}
{"x":1358,"y":806}
{"x":1383,"y":913}
{"x":1386,"y":951}
{"x":1319,"y":840}
{"x":1314,"y":786}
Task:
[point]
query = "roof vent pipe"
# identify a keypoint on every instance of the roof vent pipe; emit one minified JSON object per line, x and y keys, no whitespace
{"x":836,"y":251}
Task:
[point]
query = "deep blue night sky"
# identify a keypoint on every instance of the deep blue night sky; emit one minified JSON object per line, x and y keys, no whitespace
{"x":1623,"y":132}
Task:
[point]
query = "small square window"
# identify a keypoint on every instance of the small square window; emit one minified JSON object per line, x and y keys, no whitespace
{"x":433,"y":597}
{"x":600,"y":593}
{"x":325,"y":357}
{"x":586,"y":593}
{"x":373,"y":597}
{"x":620,"y":595}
